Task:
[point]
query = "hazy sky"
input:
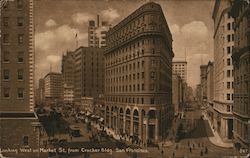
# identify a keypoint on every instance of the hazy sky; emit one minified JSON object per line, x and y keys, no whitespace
{"x":57,"y":22}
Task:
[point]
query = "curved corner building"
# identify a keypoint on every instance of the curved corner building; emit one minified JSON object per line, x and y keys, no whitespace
{"x":138,"y":75}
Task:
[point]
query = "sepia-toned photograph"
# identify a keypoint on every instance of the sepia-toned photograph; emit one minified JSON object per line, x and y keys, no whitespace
{"x":125,"y":78}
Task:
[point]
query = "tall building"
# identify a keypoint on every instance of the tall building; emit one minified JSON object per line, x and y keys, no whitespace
{"x":177,"y":93}
{"x":180,"y":68}
{"x":241,"y":60}
{"x":17,"y":56}
{"x":223,"y":69}
{"x":97,"y":31}
{"x":17,"y":79}
{"x":138,"y":75}
{"x":53,"y":88}
{"x":203,"y":81}
{"x":40,"y":91}
{"x":68,"y":76}
{"x":210,"y":93}
{"x":89,"y":73}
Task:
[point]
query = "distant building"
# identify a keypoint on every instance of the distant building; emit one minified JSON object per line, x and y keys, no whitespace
{"x":198,"y":94}
{"x":68,"y":77}
{"x":89,"y":73}
{"x":223,"y":69}
{"x":53,"y":88}
{"x":241,"y":60}
{"x":138,"y":75}
{"x":180,"y":68}
{"x":97,"y":31}
{"x":40,"y":93}
{"x":210,"y":93}
{"x":203,"y":80}
{"x":177,"y":93}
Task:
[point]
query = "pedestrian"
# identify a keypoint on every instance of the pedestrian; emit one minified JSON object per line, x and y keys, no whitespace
{"x":190,"y":149}
{"x":173,"y":154}
{"x":206,"y":150}
{"x":201,"y":152}
{"x":193,"y":146}
{"x":176,"y":147}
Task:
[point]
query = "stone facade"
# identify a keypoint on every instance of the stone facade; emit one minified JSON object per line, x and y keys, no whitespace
{"x":17,"y":56}
{"x":241,"y":60}
{"x":223,"y":69}
{"x":89,"y":73}
{"x":138,"y":75}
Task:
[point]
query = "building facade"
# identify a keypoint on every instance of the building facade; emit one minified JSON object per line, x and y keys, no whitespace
{"x":241,"y":60}
{"x":40,"y":96}
{"x":97,"y":31}
{"x":177,"y":93}
{"x":17,"y":79}
{"x":17,"y":56}
{"x":68,"y":76}
{"x":223,"y":69}
{"x":53,"y":88}
{"x":89,"y":73}
{"x":203,"y":80}
{"x":210,"y":93}
{"x":138,"y":75}
{"x":180,"y":68}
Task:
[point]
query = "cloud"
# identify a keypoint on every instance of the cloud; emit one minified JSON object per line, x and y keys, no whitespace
{"x":81,"y":18}
{"x":51,"y":44}
{"x":50,"y":23}
{"x":192,"y":41}
{"x":53,"y":58}
{"x":58,"y":39}
{"x":110,"y":14}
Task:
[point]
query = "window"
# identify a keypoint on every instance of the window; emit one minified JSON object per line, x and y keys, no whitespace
{"x":228,"y":96}
{"x":6,"y":56}
{"x":20,"y":92}
{"x":228,"y":38}
{"x":229,"y":26}
{"x":142,"y":64}
{"x":19,"y":21}
{"x":228,"y":50}
{"x":228,"y":85}
{"x":5,"y":21}
{"x":6,"y":74}
{"x":153,"y":63}
{"x":232,"y":37}
{"x":20,"y":58}
{"x":25,"y":140}
{"x":228,"y":73}
{"x":228,"y":108}
{"x":142,"y":87}
{"x":228,"y":61}
{"x":19,"y":4}
{"x":20,"y":39}
{"x":6,"y":92}
{"x":6,"y":38}
{"x":152,"y":100}
{"x":152,"y":75}
{"x":153,"y":51}
{"x":20,"y":74}
{"x":142,"y":75}
{"x":142,"y":100}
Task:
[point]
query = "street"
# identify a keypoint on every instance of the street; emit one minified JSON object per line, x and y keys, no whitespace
{"x":91,"y":143}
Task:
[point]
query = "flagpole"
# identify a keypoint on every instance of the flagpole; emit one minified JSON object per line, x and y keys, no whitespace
{"x":76,"y":37}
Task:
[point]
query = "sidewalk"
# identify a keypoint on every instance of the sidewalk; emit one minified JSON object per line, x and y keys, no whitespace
{"x":216,"y":139}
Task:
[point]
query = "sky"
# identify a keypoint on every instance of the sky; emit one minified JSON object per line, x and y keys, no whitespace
{"x":58,"y":21}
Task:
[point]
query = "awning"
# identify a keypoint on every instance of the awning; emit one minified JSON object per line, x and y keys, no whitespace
{"x":101,"y":119}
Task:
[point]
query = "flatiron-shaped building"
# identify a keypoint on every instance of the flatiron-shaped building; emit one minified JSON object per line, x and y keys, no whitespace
{"x":138,"y":75}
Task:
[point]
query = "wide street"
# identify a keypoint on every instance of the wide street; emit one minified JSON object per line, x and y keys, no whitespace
{"x":195,"y":143}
